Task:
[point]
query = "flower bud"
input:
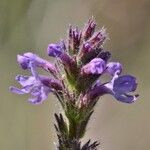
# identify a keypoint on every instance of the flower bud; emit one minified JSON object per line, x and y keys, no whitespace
{"x":89,"y":29}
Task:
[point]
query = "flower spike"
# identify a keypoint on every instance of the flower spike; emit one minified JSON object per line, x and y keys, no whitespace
{"x":80,"y":63}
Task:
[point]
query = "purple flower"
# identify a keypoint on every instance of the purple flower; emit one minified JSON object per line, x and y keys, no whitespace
{"x":119,"y":87}
{"x":26,"y":59}
{"x":55,"y":50}
{"x":113,"y":68}
{"x":95,"y":66}
{"x":38,"y":86}
{"x":39,"y":92}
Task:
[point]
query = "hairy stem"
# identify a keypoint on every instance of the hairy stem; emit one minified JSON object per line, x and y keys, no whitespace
{"x":70,"y":133}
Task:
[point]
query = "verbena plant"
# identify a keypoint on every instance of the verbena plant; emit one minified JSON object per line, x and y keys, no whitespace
{"x":75,"y":79}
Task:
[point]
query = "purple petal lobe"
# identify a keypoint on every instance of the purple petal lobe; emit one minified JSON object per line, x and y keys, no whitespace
{"x":25,"y":80}
{"x":95,"y":66}
{"x":113,"y":68}
{"x":126,"y":98}
{"x":29,"y":58}
{"x":55,"y":50}
{"x":39,"y":94}
{"x":124,"y":84}
{"x":23,"y":61}
{"x":17,"y":91}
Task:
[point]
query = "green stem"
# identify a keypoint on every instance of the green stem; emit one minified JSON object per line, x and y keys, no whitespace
{"x":73,"y":130}
{"x":70,"y":133}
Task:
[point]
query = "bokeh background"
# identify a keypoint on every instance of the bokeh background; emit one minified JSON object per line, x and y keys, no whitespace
{"x":29,"y":25}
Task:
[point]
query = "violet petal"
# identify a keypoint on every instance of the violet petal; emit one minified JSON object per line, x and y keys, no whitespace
{"x":124,"y":84}
{"x":113,"y":68}
{"x":55,"y":50}
{"x":95,"y":66}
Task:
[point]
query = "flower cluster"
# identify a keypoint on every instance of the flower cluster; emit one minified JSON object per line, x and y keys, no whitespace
{"x":76,"y":76}
{"x":81,"y":61}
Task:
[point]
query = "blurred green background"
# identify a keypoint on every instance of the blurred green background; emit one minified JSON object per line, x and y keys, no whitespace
{"x":29,"y":25}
